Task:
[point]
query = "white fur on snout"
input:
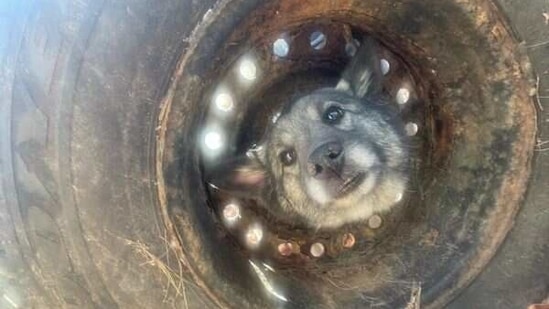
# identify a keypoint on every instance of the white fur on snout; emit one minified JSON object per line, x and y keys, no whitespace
{"x":317,"y":191}
{"x":361,"y":156}
{"x":369,"y":183}
{"x":362,"y":159}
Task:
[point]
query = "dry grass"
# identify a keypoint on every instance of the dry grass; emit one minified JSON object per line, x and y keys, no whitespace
{"x":174,"y":277}
{"x":175,"y":280}
{"x":537,"y":95}
{"x":541,"y":146}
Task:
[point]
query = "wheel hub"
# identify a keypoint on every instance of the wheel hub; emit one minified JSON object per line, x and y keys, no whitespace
{"x":471,"y":123}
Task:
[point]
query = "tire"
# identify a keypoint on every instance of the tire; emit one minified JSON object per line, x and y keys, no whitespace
{"x":49,"y":259}
{"x":82,"y":91}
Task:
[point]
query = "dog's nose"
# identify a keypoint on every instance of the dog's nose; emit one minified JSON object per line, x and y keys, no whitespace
{"x":326,"y":160}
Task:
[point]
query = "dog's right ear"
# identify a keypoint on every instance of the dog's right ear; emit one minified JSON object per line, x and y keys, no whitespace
{"x":243,"y":176}
{"x":362,"y":76}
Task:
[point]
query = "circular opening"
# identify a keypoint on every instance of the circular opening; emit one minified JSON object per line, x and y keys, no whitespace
{"x":350,"y":49}
{"x":375,"y":222}
{"x":248,"y":69}
{"x":318,"y":40}
{"x":224,"y":102}
{"x":403,"y":96}
{"x":281,"y":48}
{"x":457,"y":204}
{"x":231,"y":214}
{"x":213,"y":141}
{"x":411,"y":129}
{"x":385,"y":66}
{"x":317,"y":249}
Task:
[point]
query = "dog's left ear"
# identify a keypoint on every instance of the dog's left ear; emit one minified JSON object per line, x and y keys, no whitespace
{"x":362,"y":76}
{"x":243,"y":176}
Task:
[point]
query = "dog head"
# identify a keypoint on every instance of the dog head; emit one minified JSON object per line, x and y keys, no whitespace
{"x":334,"y":156}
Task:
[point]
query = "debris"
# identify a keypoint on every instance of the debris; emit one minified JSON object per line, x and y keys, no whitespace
{"x":430,"y":239}
{"x":415,"y":297}
{"x":536,"y":94}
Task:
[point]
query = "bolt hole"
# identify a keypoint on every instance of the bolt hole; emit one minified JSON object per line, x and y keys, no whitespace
{"x":385,"y":66}
{"x":411,"y":129}
{"x":318,"y":40}
{"x":224,"y":102}
{"x":248,"y":69}
{"x":350,"y":49}
{"x":375,"y":222}
{"x":317,"y":249}
{"x":254,"y":235}
{"x":281,"y":48}
{"x":213,"y":140}
{"x":403,"y":96}
{"x":285,"y":249}
{"x":231,"y":213}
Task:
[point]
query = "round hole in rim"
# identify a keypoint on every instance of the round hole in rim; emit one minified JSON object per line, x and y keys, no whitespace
{"x":447,"y":229}
{"x":260,"y":104}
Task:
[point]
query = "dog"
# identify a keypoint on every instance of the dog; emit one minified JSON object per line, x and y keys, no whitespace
{"x":335,"y":156}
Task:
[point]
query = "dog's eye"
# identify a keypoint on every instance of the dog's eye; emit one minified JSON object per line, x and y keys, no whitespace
{"x":287,"y":157}
{"x":333,"y":115}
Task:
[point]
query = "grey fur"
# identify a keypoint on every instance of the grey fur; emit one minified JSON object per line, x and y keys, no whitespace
{"x":343,"y":171}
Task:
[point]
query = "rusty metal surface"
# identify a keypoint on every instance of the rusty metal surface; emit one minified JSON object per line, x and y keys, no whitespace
{"x":471,"y":77}
{"x":517,"y":275}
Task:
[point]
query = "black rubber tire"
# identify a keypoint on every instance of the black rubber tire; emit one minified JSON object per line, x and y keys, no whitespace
{"x":80,"y":92}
